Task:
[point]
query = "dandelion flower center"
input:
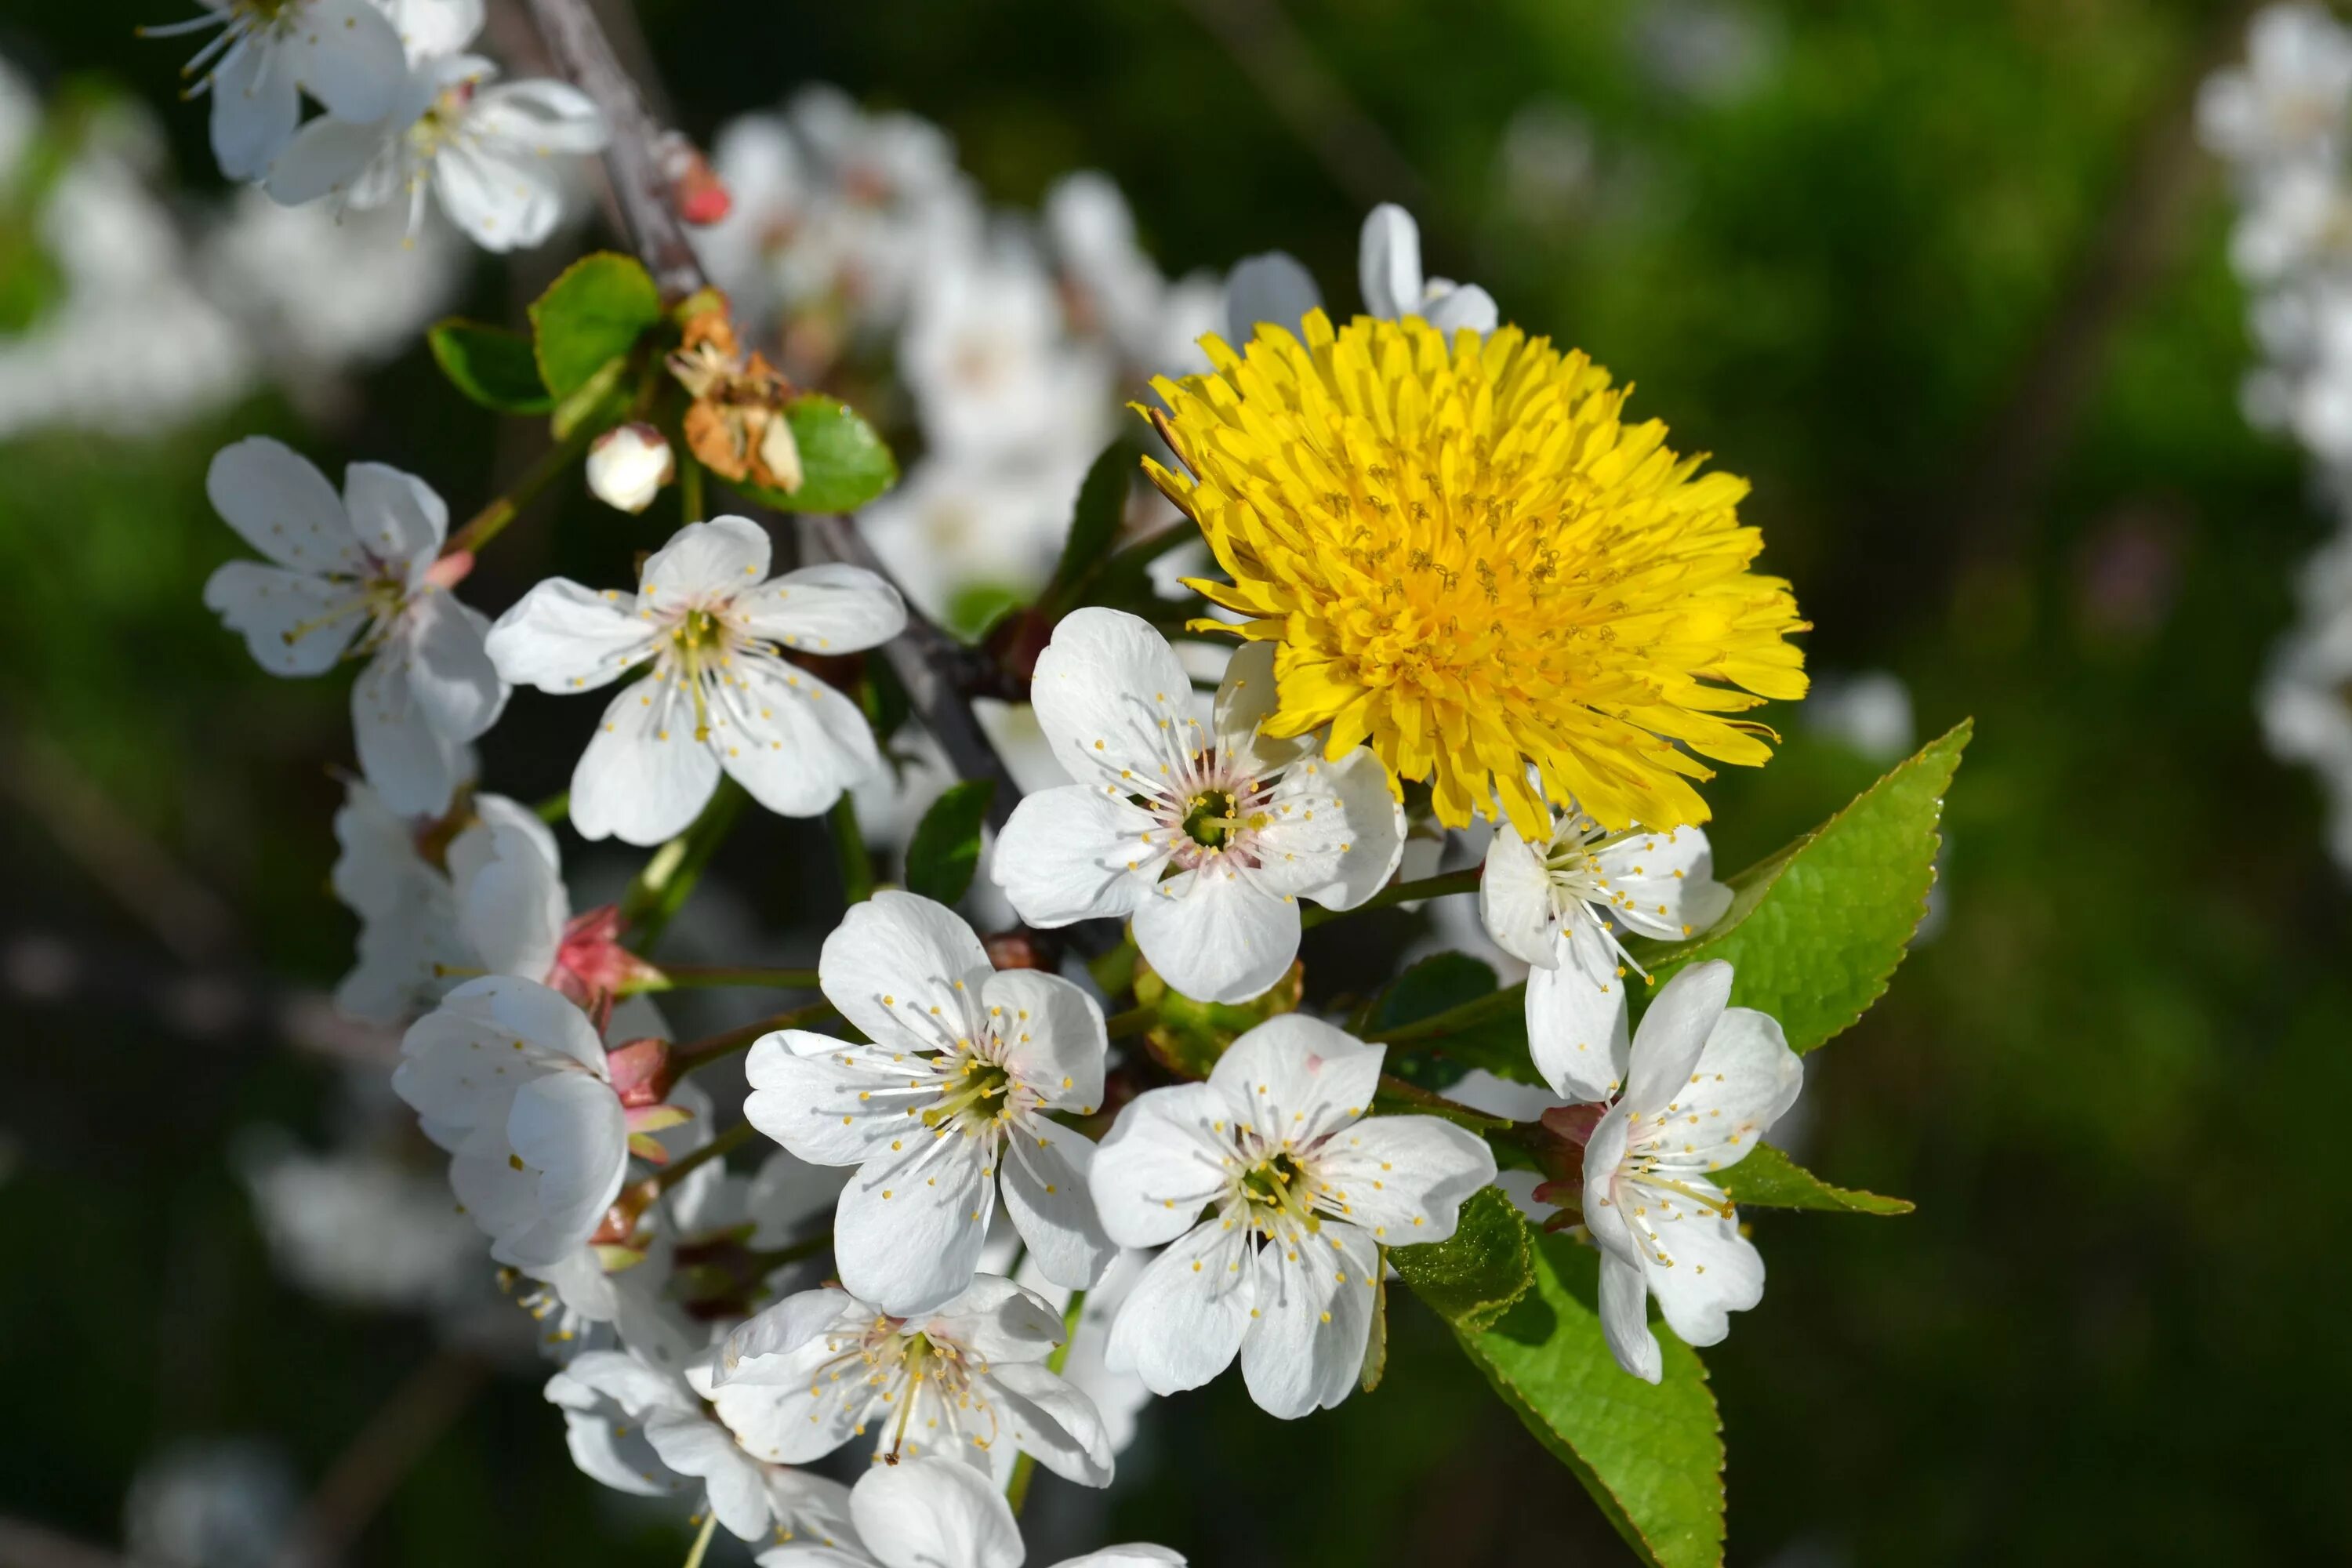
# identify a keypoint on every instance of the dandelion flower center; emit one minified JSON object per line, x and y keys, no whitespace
{"x":1471,"y":563}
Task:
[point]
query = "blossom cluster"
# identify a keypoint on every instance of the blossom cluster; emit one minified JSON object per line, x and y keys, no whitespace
{"x":2282,"y":122}
{"x":407,"y":112}
{"x":989,"y":1226}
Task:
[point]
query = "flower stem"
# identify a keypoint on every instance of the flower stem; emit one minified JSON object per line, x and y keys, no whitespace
{"x":1509,"y":999}
{"x":677,"y":1170}
{"x":1017,"y":1489}
{"x":662,"y":887}
{"x":717,"y":1047}
{"x":702,"y":1540}
{"x":704,"y":978}
{"x":555,"y":807}
{"x":491,"y":520}
{"x":775,"y":1257}
{"x":1134,"y":1021}
{"x":689,"y":486}
{"x":1399,"y":893}
{"x":850,"y":850}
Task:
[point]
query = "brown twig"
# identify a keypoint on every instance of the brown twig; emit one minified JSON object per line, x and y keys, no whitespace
{"x":369,"y":1470}
{"x":935,"y":669}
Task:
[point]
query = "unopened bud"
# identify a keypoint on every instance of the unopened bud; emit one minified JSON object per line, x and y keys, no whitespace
{"x":641,"y":1072}
{"x":628,"y":465}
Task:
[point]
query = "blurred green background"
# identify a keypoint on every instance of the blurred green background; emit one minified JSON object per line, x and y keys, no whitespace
{"x":1946,"y":280}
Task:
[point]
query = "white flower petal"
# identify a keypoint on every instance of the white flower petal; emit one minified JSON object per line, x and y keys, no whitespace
{"x":563,"y":637}
{"x":1338,"y":833}
{"x":791,"y":740}
{"x":1297,"y":1077}
{"x":1053,"y":1034}
{"x":1159,"y":1164}
{"x":1665,"y":883}
{"x":934,"y":1513}
{"x":834,"y":1104}
{"x":1467,"y":306}
{"x":644,"y":777}
{"x":329,"y":156}
{"x":283,"y":506}
{"x":1625,"y":1319}
{"x":725,"y":555}
{"x":1246,"y":699}
{"x":908,"y":1234}
{"x":1577,"y":1025}
{"x":829,"y":608}
{"x":1051,"y":1419}
{"x":345,"y":54}
{"x":1110,"y":694}
{"x":1702,"y":1271}
{"x":1076,"y":852}
{"x":295,"y":624}
{"x":1405,"y":1178}
{"x":256,"y":105}
{"x":1304,"y":1349}
{"x":537,"y":117}
{"x":903,"y":968}
{"x":1183,"y":1323}
{"x":1217,"y":936}
{"x":456,"y":688}
{"x":1388,"y":262}
{"x":571,"y":1129}
{"x":1515,"y":901}
{"x":1273,"y":289}
{"x":1673,"y":1034}
{"x":1047,"y":1194}
{"x":395,"y":517}
{"x":413,"y":765}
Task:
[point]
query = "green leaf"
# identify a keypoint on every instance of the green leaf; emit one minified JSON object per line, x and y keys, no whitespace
{"x":1474,"y":1276}
{"x":591,"y":315}
{"x":493,"y":366}
{"x":843,"y":464}
{"x":1650,"y":1455}
{"x":946,"y":846}
{"x":1816,"y":930}
{"x":1094,"y":525}
{"x":1767,"y":1178}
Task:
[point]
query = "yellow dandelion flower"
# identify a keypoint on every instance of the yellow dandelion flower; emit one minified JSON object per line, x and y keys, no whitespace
{"x":1470,"y":561}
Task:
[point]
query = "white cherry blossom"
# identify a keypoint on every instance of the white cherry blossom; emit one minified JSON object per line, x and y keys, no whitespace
{"x":268,"y":53}
{"x":510,"y":1079}
{"x":360,"y":573}
{"x":485,"y":149}
{"x":1707,"y":1081}
{"x":935,"y":1513}
{"x":967,"y":1381}
{"x":1559,"y":907}
{"x":1207,"y":837}
{"x":641,"y":1429}
{"x":713,"y":628}
{"x":1272,"y":1195}
{"x":949,"y":1102}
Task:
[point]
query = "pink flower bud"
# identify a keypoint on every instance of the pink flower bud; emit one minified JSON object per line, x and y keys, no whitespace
{"x":628,"y":465}
{"x":640,"y":1072}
